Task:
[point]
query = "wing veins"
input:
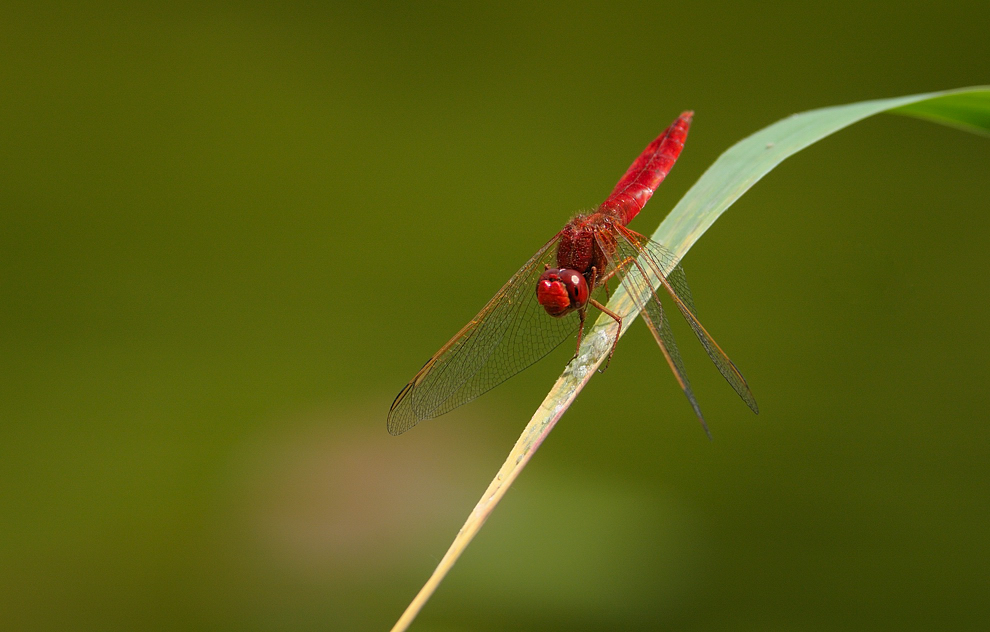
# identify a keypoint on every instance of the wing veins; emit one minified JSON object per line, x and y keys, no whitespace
{"x":721,"y":360}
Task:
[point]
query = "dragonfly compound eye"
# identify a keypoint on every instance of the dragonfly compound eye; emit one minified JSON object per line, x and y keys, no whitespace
{"x":562,"y":291}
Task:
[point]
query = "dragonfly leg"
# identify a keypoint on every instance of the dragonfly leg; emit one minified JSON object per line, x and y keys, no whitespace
{"x":595,"y":281}
{"x":605,"y":279}
{"x":618,"y":320}
{"x":582,"y":313}
{"x":618,"y":266}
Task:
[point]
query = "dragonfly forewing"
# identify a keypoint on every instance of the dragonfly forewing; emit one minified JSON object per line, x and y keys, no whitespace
{"x":509,"y":334}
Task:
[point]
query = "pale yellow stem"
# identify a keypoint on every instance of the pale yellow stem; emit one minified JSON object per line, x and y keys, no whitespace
{"x":593,"y":352}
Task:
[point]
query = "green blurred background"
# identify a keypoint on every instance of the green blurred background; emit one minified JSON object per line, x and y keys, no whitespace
{"x":229,"y":233}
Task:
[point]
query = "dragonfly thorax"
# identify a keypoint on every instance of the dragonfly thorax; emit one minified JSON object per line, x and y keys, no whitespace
{"x":582,"y":242}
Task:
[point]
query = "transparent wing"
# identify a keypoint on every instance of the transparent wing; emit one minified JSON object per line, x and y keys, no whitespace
{"x":636,"y":277}
{"x":658,"y":259}
{"x":511,"y":333}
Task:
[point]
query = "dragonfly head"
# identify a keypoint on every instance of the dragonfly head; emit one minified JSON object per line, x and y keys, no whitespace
{"x":562,"y":291}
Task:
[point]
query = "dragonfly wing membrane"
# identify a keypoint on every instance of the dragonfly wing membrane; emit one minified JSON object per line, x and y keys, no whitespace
{"x":509,"y":334}
{"x":659,"y":260}
{"x":637,"y":280}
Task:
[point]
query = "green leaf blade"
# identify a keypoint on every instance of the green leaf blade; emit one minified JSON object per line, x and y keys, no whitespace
{"x":746,"y":162}
{"x":968,"y":111}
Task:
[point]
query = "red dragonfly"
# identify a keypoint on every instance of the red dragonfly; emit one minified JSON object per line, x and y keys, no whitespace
{"x":544,"y":304}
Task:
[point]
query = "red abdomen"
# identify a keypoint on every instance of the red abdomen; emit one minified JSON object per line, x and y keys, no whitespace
{"x":647,"y":172}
